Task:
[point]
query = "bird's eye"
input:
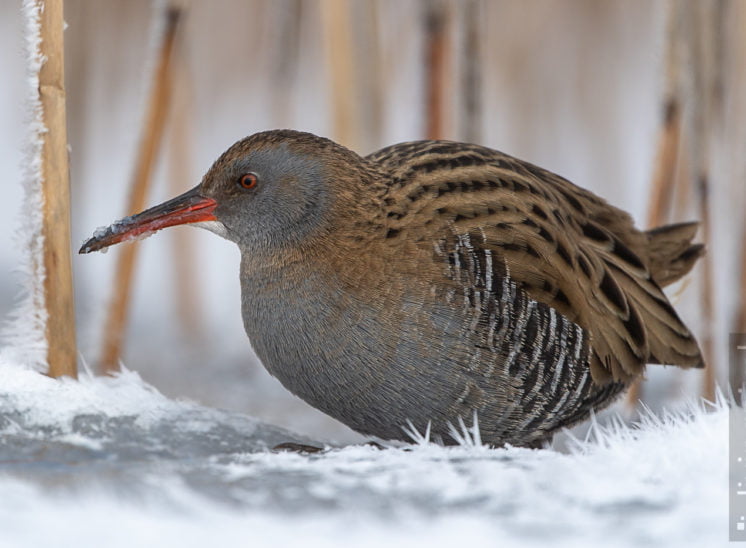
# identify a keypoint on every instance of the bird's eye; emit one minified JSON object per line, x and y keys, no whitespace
{"x":248,"y":180}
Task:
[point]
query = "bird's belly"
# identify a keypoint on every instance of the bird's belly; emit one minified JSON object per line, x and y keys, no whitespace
{"x":377,"y":368}
{"x":371,"y":367}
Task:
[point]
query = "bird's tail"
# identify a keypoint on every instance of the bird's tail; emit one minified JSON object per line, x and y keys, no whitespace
{"x":672,"y":254}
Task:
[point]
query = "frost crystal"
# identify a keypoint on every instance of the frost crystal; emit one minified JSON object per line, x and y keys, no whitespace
{"x":24,"y":333}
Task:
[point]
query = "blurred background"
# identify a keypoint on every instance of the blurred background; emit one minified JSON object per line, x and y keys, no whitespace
{"x":643,"y":102}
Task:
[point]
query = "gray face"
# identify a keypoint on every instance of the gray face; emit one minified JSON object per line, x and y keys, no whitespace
{"x":285,"y":204}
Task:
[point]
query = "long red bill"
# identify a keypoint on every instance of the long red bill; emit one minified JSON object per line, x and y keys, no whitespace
{"x":190,"y":207}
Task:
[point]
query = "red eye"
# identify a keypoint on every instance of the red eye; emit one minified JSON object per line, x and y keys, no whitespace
{"x":248,"y":180}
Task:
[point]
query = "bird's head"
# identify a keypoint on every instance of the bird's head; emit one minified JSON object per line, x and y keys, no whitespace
{"x":269,"y":190}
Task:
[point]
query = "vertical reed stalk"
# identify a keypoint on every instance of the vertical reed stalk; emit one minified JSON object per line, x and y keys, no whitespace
{"x":284,"y":53}
{"x":180,"y":154}
{"x":703,"y":18}
{"x":471,"y":79}
{"x":147,"y":152}
{"x":371,"y":74}
{"x":339,"y":49}
{"x":708,"y":304}
{"x":58,"y":281}
{"x":436,"y":52}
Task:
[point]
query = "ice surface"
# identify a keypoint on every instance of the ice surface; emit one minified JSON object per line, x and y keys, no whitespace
{"x":110,"y":461}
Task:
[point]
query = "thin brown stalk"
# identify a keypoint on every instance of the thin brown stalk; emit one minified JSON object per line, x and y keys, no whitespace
{"x":708,"y":304}
{"x":147,"y":152}
{"x":662,"y":186}
{"x":339,"y":49}
{"x":471,"y":78}
{"x":180,"y":153}
{"x":703,"y":17}
{"x":436,"y":51}
{"x":58,"y":281}
{"x":370,"y":73}
{"x":284,"y":52}
{"x":669,"y":136}
{"x":684,"y":192}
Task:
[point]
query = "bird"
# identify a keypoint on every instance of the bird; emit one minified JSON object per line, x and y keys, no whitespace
{"x":433,"y":283}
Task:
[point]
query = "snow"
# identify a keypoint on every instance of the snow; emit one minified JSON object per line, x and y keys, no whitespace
{"x":116,"y":228}
{"x":111,"y":461}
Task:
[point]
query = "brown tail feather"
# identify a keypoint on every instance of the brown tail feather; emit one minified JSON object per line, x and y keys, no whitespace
{"x":672,"y":254}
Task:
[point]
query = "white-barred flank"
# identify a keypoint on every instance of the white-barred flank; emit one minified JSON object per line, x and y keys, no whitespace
{"x":531,"y":343}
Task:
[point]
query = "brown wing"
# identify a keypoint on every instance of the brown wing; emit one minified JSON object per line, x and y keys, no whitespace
{"x":563,"y":245}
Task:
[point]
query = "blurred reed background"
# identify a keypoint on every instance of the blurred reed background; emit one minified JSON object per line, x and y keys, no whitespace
{"x":642,"y":102}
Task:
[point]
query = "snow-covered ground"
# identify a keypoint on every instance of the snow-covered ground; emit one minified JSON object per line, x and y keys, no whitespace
{"x":112,"y":462}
